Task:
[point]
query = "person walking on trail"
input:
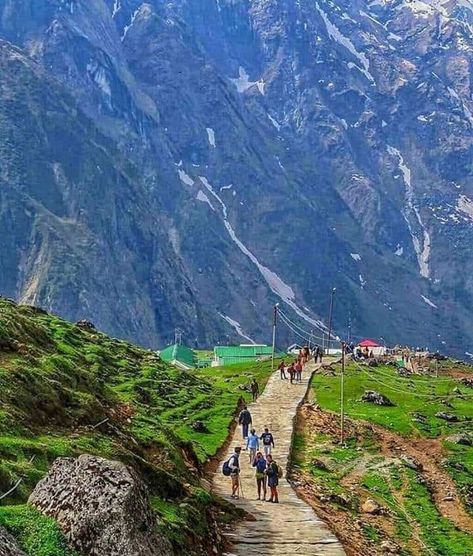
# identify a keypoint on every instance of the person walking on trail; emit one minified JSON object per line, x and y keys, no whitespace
{"x":261,"y":479}
{"x":282,"y":370}
{"x":268,"y":442}
{"x":245,"y":420}
{"x":234,"y":465}
{"x":254,"y":389}
{"x":291,"y":372}
{"x":298,"y":369}
{"x":252,"y":444}
{"x":273,"y":472}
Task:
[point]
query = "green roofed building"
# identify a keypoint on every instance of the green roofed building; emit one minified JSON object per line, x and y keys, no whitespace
{"x":180,"y":356}
{"x":229,"y":355}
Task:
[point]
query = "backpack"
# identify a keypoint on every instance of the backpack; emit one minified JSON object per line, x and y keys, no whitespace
{"x":280,"y":472}
{"x":226,"y":469}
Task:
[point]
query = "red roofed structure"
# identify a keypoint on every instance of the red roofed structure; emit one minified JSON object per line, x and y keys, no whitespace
{"x":368,"y":343}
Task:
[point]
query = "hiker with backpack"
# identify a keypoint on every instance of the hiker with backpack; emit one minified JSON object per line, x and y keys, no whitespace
{"x":231,"y":468}
{"x":245,"y":420}
{"x":261,"y":479}
{"x":274,"y":472}
{"x":268,"y":441}
{"x":252,"y":444}
{"x":254,"y":389}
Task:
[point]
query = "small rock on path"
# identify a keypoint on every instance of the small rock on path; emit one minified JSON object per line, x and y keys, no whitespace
{"x":291,"y":527}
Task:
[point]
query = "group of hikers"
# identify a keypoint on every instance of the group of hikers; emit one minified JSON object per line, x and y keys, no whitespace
{"x":259,"y":447}
{"x":295,"y":368}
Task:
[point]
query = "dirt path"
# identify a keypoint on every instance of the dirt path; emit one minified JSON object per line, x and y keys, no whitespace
{"x":291,"y":527}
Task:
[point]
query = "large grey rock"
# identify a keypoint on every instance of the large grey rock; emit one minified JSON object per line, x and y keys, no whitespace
{"x":8,"y":545}
{"x":101,"y":506}
{"x":372,"y":396}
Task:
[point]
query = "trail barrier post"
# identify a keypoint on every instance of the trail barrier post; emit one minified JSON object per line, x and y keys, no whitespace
{"x":342,"y":397}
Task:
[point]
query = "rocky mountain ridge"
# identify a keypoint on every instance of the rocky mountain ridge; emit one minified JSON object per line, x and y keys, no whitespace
{"x":273,"y":148}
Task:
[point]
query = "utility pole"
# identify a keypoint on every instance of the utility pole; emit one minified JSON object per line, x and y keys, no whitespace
{"x":342,"y":397}
{"x":349,"y":327}
{"x":275,"y":319}
{"x":332,"y":295}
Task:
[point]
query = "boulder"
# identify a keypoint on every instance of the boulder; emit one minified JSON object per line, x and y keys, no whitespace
{"x":86,"y":325}
{"x":8,"y":545}
{"x":101,"y":506}
{"x":370,"y":506}
{"x":463,"y":439}
{"x":412,"y":463}
{"x":199,"y":426}
{"x":372,"y":396}
{"x":450,"y":417}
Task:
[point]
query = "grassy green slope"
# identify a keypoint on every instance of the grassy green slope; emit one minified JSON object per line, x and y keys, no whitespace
{"x":58,"y":383}
{"x":416,"y":401}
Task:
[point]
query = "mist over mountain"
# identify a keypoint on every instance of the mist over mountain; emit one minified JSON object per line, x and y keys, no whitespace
{"x":191,"y":163}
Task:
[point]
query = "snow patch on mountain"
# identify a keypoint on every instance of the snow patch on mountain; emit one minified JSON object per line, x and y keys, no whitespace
{"x":430,"y":303}
{"x":211,"y":137}
{"x":237,"y":326}
{"x":422,"y":246}
{"x":465,"y":205}
{"x":130,"y":25}
{"x":201,"y":196}
{"x":116,"y":7}
{"x":336,"y":35}
{"x":243,"y":83}
{"x":275,"y":123}
{"x":275,"y":283}
{"x":185,"y":178}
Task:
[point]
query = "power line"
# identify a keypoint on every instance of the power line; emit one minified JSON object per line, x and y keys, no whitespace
{"x":305,"y":333}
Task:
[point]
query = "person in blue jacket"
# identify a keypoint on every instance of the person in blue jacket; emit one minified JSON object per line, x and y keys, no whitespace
{"x":260,"y":464}
{"x":252,"y":444}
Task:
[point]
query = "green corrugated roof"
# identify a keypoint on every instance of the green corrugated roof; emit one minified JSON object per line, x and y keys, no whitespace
{"x":242,"y":351}
{"x":179,"y":353}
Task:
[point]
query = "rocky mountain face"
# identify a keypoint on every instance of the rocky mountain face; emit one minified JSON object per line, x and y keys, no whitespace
{"x":190,"y":164}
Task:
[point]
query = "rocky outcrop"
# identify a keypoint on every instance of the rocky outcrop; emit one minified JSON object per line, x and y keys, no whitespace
{"x":101,"y":506}
{"x":8,"y":545}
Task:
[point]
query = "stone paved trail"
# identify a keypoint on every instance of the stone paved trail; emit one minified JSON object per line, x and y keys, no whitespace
{"x":290,"y":527}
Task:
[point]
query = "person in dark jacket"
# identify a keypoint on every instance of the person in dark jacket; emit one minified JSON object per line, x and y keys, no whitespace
{"x":254,"y":389}
{"x":272,"y":472}
{"x":261,"y":465}
{"x":245,"y":420}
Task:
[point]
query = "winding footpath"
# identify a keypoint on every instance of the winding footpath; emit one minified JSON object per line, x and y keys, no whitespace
{"x":290,"y":527}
